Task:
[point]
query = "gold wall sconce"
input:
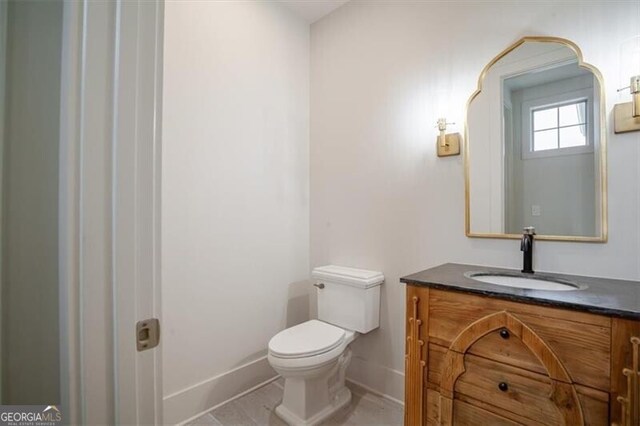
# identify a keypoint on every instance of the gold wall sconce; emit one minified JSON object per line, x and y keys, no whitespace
{"x":448,"y":144}
{"x":626,"y":116}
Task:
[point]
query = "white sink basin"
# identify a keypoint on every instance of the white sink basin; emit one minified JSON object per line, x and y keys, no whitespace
{"x":524,"y":281}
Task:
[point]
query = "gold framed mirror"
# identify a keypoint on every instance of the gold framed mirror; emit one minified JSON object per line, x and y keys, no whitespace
{"x":535,"y":149}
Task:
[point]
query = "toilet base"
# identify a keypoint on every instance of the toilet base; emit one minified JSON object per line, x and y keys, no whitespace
{"x":341,"y":399}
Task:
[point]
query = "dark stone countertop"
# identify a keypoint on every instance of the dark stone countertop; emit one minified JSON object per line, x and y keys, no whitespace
{"x":617,"y":298}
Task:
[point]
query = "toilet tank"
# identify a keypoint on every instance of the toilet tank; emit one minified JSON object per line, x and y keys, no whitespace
{"x":350,"y":298}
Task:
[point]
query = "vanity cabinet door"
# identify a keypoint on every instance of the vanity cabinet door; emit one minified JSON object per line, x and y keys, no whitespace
{"x":471,"y":357}
{"x":502,"y":388}
{"x":580,"y":341}
{"x":549,"y":399}
{"x":524,"y":400}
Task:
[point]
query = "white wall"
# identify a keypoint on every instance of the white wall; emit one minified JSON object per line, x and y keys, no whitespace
{"x":235,"y":227}
{"x":30,"y":329}
{"x":381,"y":74}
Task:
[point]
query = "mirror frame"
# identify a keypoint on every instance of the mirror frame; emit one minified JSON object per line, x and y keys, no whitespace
{"x":602,"y":238}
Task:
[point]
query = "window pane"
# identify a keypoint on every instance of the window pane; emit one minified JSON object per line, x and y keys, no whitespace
{"x":573,"y":114}
{"x":573,"y":136}
{"x":545,"y":139}
{"x":545,"y":119}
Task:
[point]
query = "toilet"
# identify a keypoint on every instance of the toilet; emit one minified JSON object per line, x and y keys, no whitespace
{"x":313,"y":357}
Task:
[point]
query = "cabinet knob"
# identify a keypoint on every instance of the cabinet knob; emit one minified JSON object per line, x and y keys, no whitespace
{"x":503,"y":386}
{"x":504,"y":333}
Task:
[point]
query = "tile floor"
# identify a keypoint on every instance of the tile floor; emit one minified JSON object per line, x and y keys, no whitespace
{"x":258,"y":408}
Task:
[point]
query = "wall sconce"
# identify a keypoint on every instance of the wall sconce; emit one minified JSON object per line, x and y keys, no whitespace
{"x":448,"y":144}
{"x":626,"y":116}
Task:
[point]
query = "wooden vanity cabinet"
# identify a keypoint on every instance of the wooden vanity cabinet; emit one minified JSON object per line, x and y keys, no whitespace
{"x":477,"y":360}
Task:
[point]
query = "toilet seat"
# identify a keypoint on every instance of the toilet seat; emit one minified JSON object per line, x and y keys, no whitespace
{"x":308,"y":347}
{"x":305,"y":340}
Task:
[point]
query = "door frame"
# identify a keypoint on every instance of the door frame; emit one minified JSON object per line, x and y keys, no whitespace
{"x":3,"y":73}
{"x":110,"y":158}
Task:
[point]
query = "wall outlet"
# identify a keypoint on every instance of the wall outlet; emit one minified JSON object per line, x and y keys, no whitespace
{"x":536,"y":210}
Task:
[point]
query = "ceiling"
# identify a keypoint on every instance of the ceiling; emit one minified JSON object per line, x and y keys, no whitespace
{"x":537,"y":77}
{"x":312,"y":10}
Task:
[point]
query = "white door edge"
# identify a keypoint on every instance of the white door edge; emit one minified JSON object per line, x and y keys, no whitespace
{"x":109,"y":210}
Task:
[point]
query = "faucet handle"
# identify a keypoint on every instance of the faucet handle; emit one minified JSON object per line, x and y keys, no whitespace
{"x":529,"y":230}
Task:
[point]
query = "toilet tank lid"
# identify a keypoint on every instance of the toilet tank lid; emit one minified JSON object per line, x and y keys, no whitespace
{"x":351,"y":276}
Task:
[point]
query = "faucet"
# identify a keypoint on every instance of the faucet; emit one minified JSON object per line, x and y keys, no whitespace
{"x":526,"y":246}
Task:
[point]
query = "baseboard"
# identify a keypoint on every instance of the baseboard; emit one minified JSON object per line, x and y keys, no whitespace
{"x":192,"y":402}
{"x":378,"y":379}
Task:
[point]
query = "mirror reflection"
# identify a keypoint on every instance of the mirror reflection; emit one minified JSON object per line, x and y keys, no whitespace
{"x":535,"y":146}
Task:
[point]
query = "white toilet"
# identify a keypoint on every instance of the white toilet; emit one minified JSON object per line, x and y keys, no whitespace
{"x":313,"y":356}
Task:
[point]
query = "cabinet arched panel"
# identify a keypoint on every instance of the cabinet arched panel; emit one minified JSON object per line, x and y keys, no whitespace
{"x":562,"y":395}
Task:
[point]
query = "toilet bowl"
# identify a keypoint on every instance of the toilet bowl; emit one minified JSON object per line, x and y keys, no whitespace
{"x":313,"y":357}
